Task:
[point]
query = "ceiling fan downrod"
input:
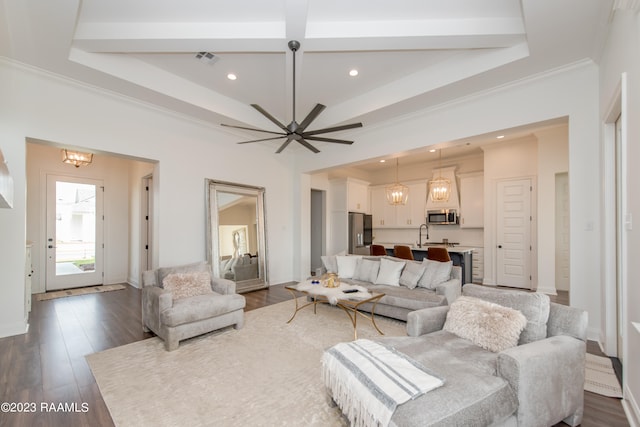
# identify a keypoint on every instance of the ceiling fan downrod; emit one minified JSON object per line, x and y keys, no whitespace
{"x":294,"y":45}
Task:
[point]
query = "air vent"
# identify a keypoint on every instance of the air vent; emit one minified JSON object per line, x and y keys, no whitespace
{"x":206,"y":57}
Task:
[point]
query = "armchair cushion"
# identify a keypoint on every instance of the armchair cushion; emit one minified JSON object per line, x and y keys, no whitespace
{"x":185,"y":285}
{"x":488,"y":325}
{"x":190,"y":310}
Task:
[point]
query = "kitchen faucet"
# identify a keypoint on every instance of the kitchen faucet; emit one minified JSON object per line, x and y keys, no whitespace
{"x":420,"y":234}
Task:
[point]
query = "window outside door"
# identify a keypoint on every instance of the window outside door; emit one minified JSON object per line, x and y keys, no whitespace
{"x":74,"y":244}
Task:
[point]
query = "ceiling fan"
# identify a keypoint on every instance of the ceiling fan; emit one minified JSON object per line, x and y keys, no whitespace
{"x":297,"y":131}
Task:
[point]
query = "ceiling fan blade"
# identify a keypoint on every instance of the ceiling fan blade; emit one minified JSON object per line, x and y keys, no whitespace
{"x":321,"y":138}
{"x":270,"y":117}
{"x":283,"y":146}
{"x":264,"y":139}
{"x":309,"y":146}
{"x":334,"y":129}
{"x":257,"y":130}
{"x":311,"y":116}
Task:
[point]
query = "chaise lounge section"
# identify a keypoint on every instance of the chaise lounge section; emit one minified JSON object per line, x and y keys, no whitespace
{"x":539,"y":381}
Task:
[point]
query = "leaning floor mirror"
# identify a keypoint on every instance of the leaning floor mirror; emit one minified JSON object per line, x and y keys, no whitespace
{"x":236,"y":239}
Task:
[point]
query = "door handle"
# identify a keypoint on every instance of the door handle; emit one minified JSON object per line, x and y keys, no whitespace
{"x":51,"y":246}
{"x":499,"y":246}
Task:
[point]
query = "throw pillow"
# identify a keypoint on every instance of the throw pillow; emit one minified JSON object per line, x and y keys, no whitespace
{"x":488,"y":325}
{"x":435,"y":273}
{"x":184,"y":285}
{"x":411,"y":274}
{"x":347,"y":265}
{"x":389,"y":273}
{"x":330,"y":263}
{"x":367,"y":270}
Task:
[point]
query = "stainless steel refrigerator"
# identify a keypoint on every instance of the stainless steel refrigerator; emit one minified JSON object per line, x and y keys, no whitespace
{"x":360,"y":233}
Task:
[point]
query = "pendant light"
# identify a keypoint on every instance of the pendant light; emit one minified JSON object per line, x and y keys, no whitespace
{"x":439,"y":188}
{"x":397,"y":194}
{"x":76,"y":158}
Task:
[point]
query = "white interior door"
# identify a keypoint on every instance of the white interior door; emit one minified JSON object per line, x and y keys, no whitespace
{"x":74,"y":244}
{"x":514,"y":233}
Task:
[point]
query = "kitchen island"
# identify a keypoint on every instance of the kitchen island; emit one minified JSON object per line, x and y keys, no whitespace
{"x":460,"y":255}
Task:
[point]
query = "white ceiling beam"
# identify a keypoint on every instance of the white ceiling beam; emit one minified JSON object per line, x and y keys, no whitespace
{"x":415,"y":28}
{"x":181,"y":37}
{"x":145,"y":75}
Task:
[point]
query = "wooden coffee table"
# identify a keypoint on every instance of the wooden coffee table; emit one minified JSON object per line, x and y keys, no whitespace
{"x":349,"y":302}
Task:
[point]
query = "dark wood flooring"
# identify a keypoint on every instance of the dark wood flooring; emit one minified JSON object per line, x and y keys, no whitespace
{"x":44,"y":371}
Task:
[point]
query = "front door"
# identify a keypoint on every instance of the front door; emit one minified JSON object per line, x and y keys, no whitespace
{"x":514,"y":233}
{"x":74,"y":232}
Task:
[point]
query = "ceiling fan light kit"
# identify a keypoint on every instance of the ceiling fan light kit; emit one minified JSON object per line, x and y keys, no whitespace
{"x":295,"y":131}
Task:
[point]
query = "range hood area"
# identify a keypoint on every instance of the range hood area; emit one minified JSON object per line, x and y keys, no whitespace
{"x":454,"y":198}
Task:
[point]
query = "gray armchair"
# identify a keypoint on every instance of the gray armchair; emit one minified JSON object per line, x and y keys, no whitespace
{"x":174,"y":320}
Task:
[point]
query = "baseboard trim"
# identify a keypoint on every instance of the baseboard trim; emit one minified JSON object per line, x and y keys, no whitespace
{"x":631,"y":408}
{"x":17,"y":328}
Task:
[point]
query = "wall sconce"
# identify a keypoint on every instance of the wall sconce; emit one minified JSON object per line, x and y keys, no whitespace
{"x":76,"y":158}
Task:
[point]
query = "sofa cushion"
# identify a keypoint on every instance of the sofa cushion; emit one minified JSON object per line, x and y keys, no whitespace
{"x":187,"y":268}
{"x":367,"y":270}
{"x":486,"y":324}
{"x":200,"y":307}
{"x":472,"y":394}
{"x":534,"y":306}
{"x":186,"y":285}
{"x":411,"y":274}
{"x":436,"y":272}
{"x":347,"y":265}
{"x":389,"y":273}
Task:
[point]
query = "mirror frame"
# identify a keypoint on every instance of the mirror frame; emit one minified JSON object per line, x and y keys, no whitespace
{"x":212,"y":187}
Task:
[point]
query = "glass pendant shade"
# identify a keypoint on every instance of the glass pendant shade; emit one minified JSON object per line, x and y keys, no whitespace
{"x":76,"y":158}
{"x":397,"y":194}
{"x":439,"y":189}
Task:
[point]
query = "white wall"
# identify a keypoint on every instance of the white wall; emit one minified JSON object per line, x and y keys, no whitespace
{"x":187,"y":152}
{"x":621,"y":56}
{"x":553,"y":156}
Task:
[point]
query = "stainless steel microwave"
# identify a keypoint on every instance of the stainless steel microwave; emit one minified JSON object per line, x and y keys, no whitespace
{"x":442,"y":216}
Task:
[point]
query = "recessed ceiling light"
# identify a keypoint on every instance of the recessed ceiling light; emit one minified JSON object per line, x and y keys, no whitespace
{"x":231,"y":76}
{"x":382,"y":161}
{"x":433,"y":150}
{"x":353,"y":72}
{"x":499,"y":136}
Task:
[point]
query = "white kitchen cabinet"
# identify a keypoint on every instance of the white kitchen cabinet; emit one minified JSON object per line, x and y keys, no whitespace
{"x":413,"y":213}
{"x":358,"y":195}
{"x":350,"y":195}
{"x":410,"y":215}
{"x":472,"y":200}
{"x":384,"y":214}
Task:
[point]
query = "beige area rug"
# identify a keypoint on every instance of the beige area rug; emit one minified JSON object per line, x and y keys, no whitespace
{"x":600,"y":377}
{"x":266,"y":374}
{"x":78,"y":291}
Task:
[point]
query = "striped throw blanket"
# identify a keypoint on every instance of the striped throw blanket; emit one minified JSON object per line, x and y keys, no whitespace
{"x":368,"y":381}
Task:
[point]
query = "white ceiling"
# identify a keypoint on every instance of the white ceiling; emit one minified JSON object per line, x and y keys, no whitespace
{"x":410,"y":54}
